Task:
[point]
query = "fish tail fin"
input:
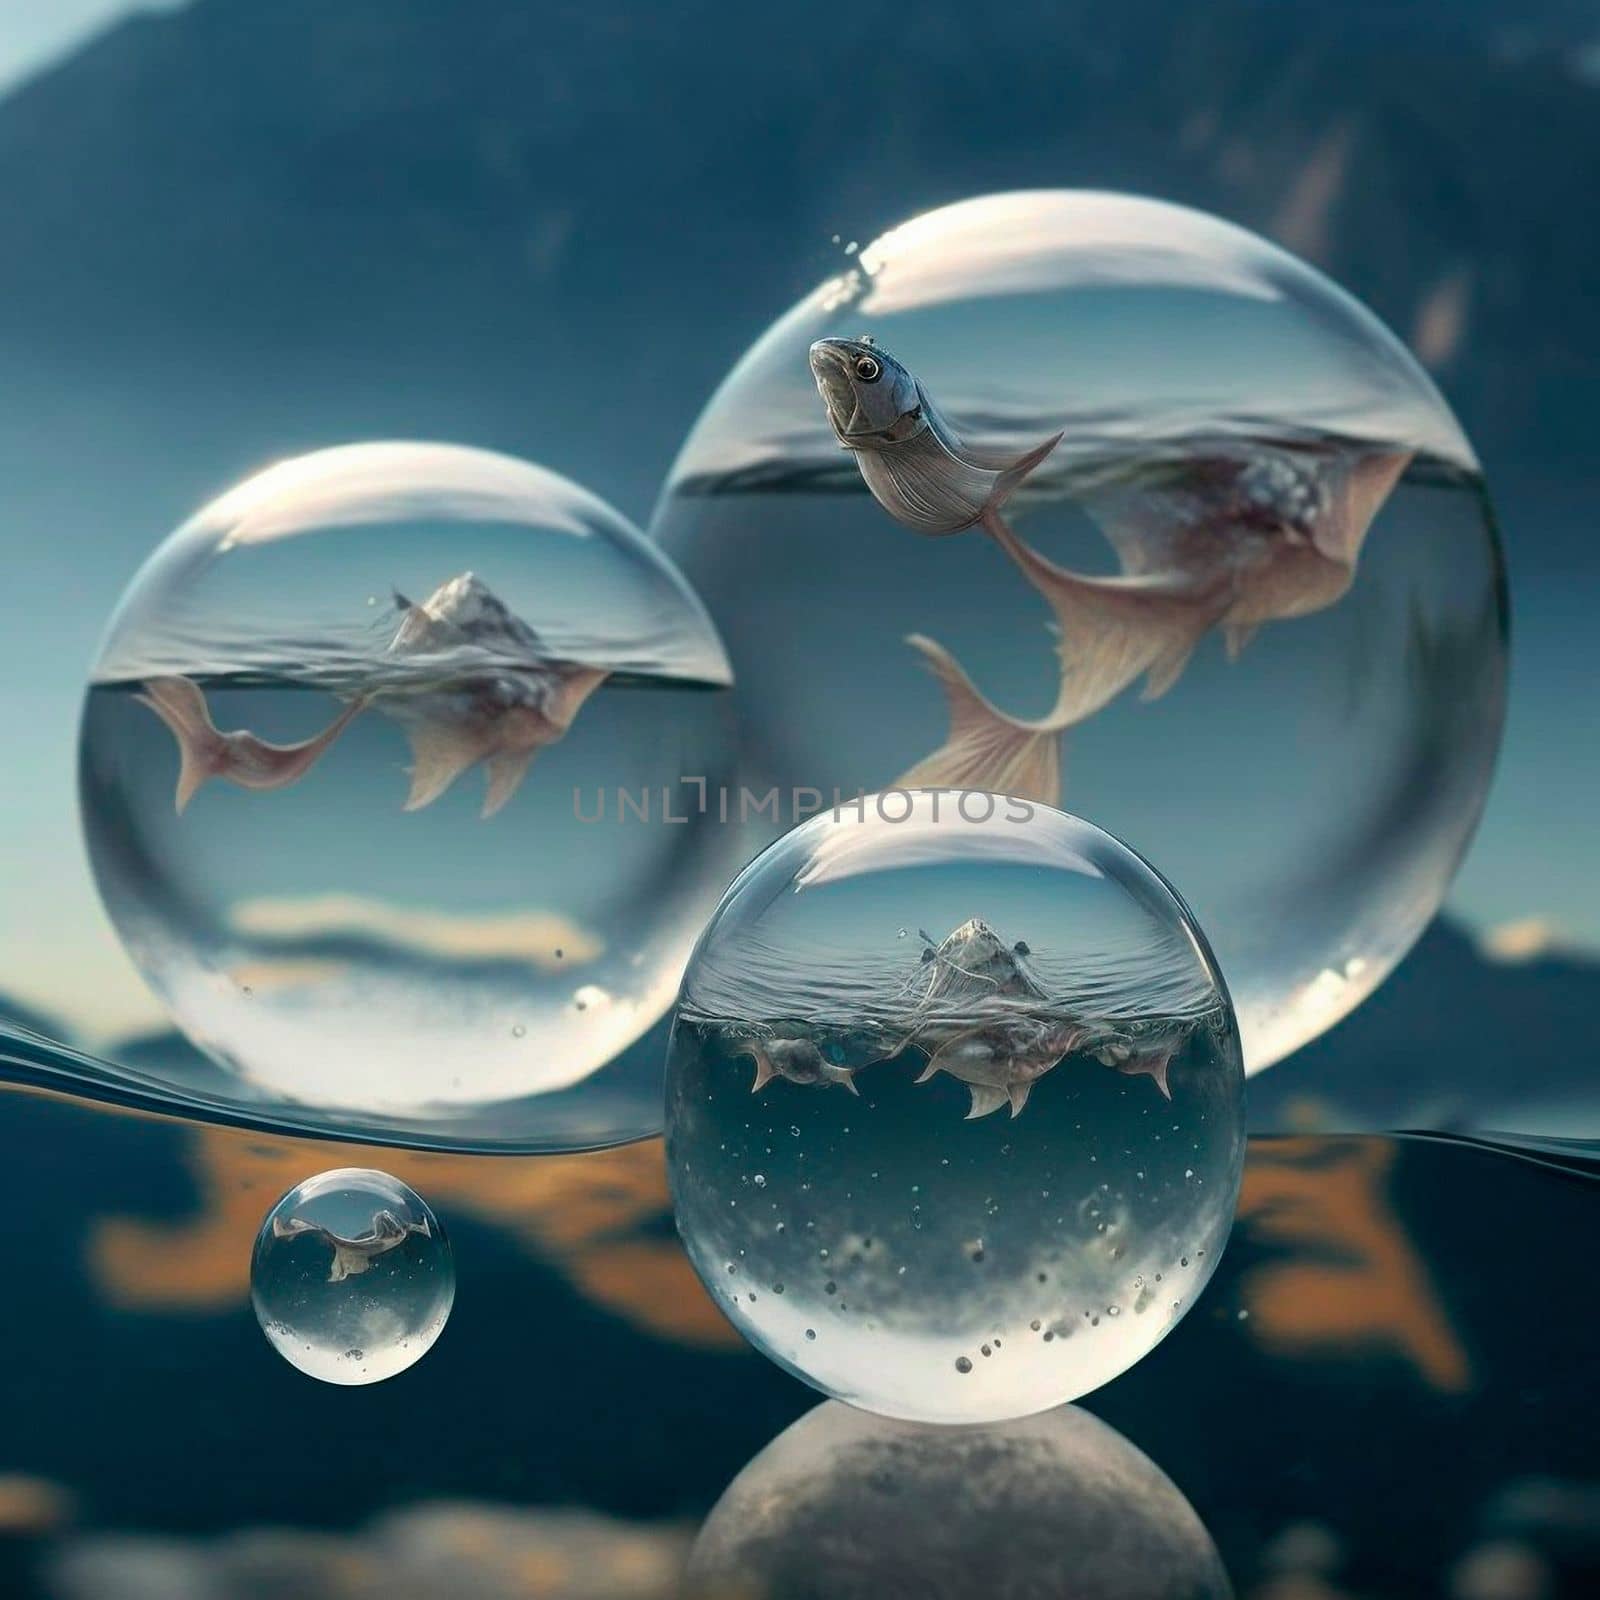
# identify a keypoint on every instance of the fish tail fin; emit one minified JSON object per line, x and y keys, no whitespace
{"x":985,"y":1098}
{"x":1011,"y":477}
{"x":1110,"y":631}
{"x":181,"y":704}
{"x":985,"y":748}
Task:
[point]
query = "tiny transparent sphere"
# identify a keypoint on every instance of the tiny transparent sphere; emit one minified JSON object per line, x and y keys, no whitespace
{"x":1057,"y":1504}
{"x":1136,"y":514}
{"x":972,"y":1175}
{"x":352,"y":767}
{"x":352,"y":1277}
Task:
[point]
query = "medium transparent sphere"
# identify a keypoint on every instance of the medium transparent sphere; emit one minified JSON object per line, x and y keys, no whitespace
{"x":857,"y":1507}
{"x":954,"y":1107}
{"x":352,"y":761}
{"x":352,"y":1277}
{"x":1247,"y":611}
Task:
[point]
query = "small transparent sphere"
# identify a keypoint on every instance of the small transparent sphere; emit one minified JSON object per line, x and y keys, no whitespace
{"x":351,"y":767}
{"x":972,"y":1172}
{"x":856,"y":1507}
{"x":1138,"y":515}
{"x":352,"y":1277}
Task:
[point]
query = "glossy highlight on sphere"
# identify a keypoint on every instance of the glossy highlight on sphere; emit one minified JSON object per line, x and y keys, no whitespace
{"x":349,"y":770}
{"x":1135,"y":514}
{"x":954,"y":1107}
{"x":352,"y":1277}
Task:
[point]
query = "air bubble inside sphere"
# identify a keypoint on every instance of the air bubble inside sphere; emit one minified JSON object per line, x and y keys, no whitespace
{"x":1136,"y":514}
{"x":352,"y":1277}
{"x":954,"y":1107}
{"x":351,"y":766}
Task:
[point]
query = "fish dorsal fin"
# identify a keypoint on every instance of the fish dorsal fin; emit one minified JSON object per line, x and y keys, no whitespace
{"x":985,"y":1099}
{"x":506,"y":769}
{"x":1360,"y":488}
{"x":440,"y":753}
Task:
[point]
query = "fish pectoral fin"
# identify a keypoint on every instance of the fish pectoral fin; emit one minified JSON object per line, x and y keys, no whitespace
{"x":985,"y":749}
{"x":1236,"y":635}
{"x":932,"y":1070}
{"x":1018,"y":1094}
{"x":440,"y":753}
{"x":985,"y":1098}
{"x":1012,"y":476}
{"x":1361,"y":486}
{"x":506,"y":769}
{"x":842,"y":1075}
{"x":339,"y":1268}
{"x":764,"y":1072}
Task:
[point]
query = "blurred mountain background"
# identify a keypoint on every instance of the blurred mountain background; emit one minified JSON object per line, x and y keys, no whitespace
{"x":238,"y":229}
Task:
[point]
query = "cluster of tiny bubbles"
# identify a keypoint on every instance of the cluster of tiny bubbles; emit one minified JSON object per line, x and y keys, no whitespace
{"x":352,"y":1277}
{"x":1233,"y":489}
{"x":970,"y":1176}
{"x":376,"y":762}
{"x":1057,"y":1504}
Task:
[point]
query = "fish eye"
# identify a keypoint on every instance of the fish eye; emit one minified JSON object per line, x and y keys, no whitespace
{"x":868,"y":369}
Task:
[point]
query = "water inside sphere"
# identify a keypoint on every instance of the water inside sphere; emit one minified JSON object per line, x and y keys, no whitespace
{"x":352,"y":1278}
{"x":350,"y":769}
{"x":1134,"y":513}
{"x":855,"y":1506}
{"x":967,"y":1175}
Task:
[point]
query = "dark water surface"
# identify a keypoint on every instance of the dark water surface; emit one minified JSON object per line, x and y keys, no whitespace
{"x":1385,"y":1390}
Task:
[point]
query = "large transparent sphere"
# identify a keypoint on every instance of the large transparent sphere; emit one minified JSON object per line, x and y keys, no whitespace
{"x":857,"y":1507}
{"x":352,"y":1277}
{"x":351,"y":764}
{"x":1306,"y":583}
{"x":954,"y":1107}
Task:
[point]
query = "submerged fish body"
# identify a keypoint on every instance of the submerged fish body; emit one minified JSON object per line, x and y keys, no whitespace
{"x":970,"y":1021}
{"x":797,"y":1060}
{"x":501,"y":717}
{"x":351,"y":1256}
{"x":1230,"y":536}
{"x":1001,"y":1061}
{"x":497,"y":699}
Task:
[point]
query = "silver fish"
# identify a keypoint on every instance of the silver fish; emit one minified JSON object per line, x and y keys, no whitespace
{"x":917,"y":469}
{"x":798,"y":1060}
{"x":353,"y":1256}
{"x":1231,"y":536}
{"x":204,"y":751}
{"x":966,"y":1024}
{"x":502,"y":717}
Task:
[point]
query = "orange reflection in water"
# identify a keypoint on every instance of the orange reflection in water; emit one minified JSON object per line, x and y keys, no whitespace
{"x":1350,"y":1279}
{"x":598,"y":1218}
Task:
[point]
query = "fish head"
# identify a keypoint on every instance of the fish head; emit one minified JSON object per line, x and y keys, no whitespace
{"x":870,"y":398}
